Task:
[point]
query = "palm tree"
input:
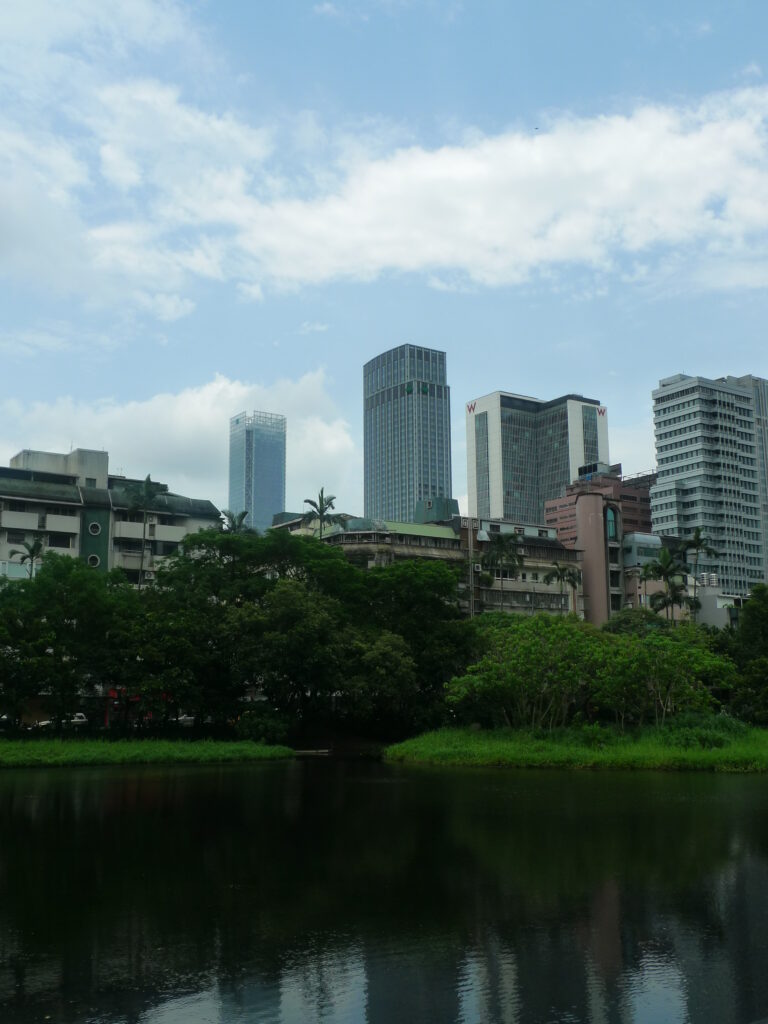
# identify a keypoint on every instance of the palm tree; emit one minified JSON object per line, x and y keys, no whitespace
{"x":564,"y":574}
{"x":321,"y":510}
{"x":32,"y":553}
{"x":645,"y":573}
{"x":140,"y":499}
{"x":235,"y":522}
{"x":502,"y":552}
{"x":698,"y":544}
{"x":670,"y":571}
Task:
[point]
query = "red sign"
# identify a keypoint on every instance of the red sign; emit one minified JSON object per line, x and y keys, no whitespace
{"x":471,"y":406}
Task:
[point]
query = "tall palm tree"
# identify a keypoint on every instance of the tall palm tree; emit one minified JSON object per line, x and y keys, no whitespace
{"x":321,"y":510}
{"x":698,"y":545}
{"x":140,"y":499}
{"x":565,"y":574}
{"x":645,"y":573}
{"x":31,"y":553}
{"x":235,"y":522}
{"x":671,"y":572}
{"x":502,"y":551}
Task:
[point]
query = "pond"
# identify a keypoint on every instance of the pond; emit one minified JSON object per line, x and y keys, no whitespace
{"x":354,"y":891}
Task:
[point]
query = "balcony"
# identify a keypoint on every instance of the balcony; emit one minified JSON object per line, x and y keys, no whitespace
{"x":62,"y":524}
{"x":129,"y":531}
{"x":174,"y":534}
{"x":20,"y":520}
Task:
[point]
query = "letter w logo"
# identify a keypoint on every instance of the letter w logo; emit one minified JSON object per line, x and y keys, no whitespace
{"x":601,"y":410}
{"x":471,"y":406}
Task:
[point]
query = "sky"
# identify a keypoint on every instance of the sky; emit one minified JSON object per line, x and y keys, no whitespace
{"x":211,"y":207}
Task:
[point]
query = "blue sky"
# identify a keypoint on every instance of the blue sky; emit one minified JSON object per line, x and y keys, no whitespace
{"x":211,"y":207}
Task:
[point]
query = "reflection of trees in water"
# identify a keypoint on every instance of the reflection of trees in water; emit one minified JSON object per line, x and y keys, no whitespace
{"x":502,"y":894}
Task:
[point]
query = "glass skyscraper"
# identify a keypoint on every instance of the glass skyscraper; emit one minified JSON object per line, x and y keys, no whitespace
{"x":407,"y":417}
{"x":521,"y":451}
{"x":257,"y":467}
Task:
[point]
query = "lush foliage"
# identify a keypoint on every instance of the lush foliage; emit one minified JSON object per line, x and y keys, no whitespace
{"x":280,"y":624}
{"x":709,"y":743}
{"x":546,"y":672}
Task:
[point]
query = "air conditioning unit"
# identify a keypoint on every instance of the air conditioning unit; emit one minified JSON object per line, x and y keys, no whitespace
{"x":465,"y":523}
{"x":478,"y":567}
{"x":151,"y":518}
{"x":149,"y":575}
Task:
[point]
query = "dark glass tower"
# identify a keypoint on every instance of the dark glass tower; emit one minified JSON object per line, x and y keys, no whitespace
{"x":257,"y":467}
{"x":407,"y":416}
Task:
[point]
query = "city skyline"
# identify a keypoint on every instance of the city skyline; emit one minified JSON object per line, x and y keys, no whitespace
{"x":192,"y":225}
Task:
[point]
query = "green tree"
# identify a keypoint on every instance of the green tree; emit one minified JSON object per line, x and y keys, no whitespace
{"x":322,"y":511}
{"x":536,"y":672}
{"x":502,"y":553}
{"x":752,"y":636}
{"x":141,"y":498}
{"x":234,"y":522}
{"x":31,"y":553}
{"x":565,"y":575}
{"x":668,"y":568}
{"x":697,"y":544}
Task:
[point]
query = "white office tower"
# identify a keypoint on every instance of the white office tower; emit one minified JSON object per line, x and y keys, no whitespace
{"x":712,"y":455}
{"x":521,"y":451}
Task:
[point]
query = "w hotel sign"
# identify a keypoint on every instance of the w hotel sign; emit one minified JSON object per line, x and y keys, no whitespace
{"x":471,"y":407}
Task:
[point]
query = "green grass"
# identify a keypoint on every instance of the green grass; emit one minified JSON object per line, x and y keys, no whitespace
{"x":736,"y":750}
{"x":50,"y":753}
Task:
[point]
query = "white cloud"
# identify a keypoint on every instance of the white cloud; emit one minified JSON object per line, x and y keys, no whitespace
{"x":327,"y":10}
{"x":751,"y":72}
{"x":146,"y":192}
{"x":312,"y":327}
{"x":187,"y":435}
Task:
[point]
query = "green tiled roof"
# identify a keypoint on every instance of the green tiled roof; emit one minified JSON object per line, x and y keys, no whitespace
{"x":11,"y":488}
{"x":421,"y":530}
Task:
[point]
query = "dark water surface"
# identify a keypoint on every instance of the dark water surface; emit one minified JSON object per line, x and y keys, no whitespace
{"x":345,"y":892}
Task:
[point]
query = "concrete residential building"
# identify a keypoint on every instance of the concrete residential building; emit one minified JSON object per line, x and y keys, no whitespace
{"x":521,"y":452}
{"x":76,"y":507}
{"x":407,"y":424}
{"x":257,"y":467}
{"x":711,"y":450}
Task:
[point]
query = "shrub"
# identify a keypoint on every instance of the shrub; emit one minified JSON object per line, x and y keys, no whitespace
{"x":263,"y":725}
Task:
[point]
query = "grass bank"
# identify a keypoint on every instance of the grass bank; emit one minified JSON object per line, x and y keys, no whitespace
{"x":734,"y":748}
{"x":42,"y":753}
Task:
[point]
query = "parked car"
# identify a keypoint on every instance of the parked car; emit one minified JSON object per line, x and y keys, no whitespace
{"x":77,"y":721}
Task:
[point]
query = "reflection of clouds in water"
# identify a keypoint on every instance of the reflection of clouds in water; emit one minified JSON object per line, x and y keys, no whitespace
{"x":488,"y":984}
{"x":200,"y":1008}
{"x":656,"y":991}
{"x":313,"y":985}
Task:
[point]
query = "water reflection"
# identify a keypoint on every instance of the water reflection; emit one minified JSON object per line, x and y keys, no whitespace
{"x":342,"y":892}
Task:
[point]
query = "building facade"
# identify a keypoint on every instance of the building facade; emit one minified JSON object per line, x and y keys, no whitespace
{"x":631,"y":494}
{"x":521,"y":452}
{"x":76,"y":507}
{"x":407,"y":431}
{"x":257,"y":467}
{"x":711,"y":450}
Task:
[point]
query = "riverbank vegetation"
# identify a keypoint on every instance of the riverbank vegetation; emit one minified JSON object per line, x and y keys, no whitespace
{"x":78,"y":752}
{"x":701,"y":743}
{"x":279,"y":639}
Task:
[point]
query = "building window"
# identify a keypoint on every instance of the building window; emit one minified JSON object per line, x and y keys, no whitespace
{"x":59,"y":540}
{"x":610,"y":521}
{"x":94,"y":529}
{"x":14,"y":537}
{"x":90,"y":481}
{"x":94,"y":561}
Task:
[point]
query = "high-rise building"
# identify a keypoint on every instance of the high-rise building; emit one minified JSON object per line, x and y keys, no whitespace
{"x":521,"y":451}
{"x":407,"y":416}
{"x":712,"y":453}
{"x":257,"y":467}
